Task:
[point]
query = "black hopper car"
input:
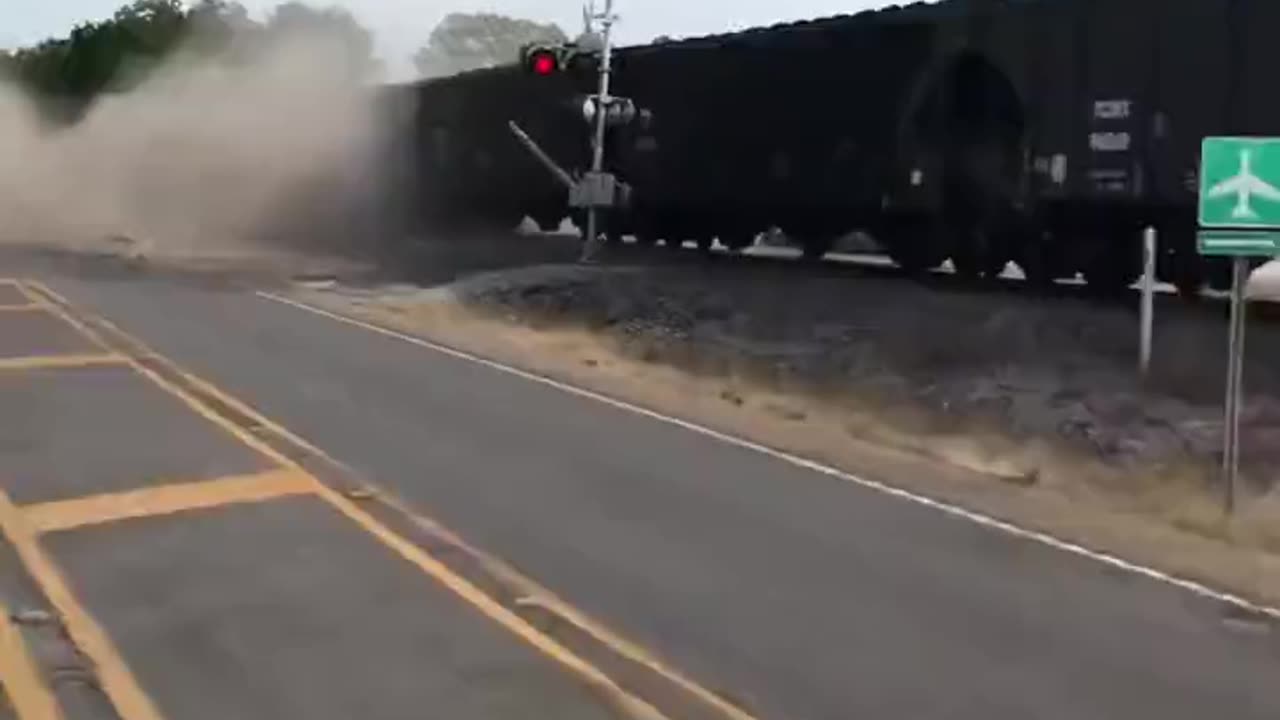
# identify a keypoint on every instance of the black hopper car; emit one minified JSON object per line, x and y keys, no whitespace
{"x":1048,"y":133}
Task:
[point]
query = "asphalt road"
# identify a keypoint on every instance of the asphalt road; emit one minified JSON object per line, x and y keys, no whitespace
{"x":207,"y":578}
{"x":792,"y":593}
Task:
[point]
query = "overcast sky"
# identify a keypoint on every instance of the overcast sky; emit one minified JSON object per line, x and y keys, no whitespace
{"x":401,"y":26}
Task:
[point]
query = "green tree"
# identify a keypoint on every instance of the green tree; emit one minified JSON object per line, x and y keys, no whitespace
{"x":40,"y":67}
{"x":462,"y":42}
{"x":148,"y":27}
{"x":116,"y":54}
{"x":106,"y":55}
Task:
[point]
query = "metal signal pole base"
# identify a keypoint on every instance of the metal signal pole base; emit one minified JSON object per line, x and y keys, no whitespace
{"x":590,"y":240}
{"x":1235,"y":376}
{"x":594,"y":192}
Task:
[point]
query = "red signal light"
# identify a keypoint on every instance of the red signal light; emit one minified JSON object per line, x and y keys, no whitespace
{"x":544,"y":63}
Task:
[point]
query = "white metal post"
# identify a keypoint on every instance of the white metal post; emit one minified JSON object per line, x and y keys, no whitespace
{"x":601,"y":119}
{"x":1148,"y":299}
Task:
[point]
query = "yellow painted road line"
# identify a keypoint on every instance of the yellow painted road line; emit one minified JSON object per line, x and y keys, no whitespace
{"x":61,"y":312}
{"x":25,"y":284}
{"x":121,"y":687}
{"x":535,"y":591}
{"x":536,"y":594}
{"x":41,"y":362}
{"x":195,"y":405}
{"x":429,"y":565}
{"x":495,"y":566}
{"x":166,"y":500}
{"x":22,"y":307}
{"x":34,"y":298}
{"x":539,"y":594}
{"x":410,"y":552}
{"x":20,"y":677}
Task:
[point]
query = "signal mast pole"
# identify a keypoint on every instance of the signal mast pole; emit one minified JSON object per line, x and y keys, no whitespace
{"x":602,"y":103}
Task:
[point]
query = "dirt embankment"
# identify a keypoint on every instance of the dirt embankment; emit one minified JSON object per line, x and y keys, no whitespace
{"x":1040,"y":397}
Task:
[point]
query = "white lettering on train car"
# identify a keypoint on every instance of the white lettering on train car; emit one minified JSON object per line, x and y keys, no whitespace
{"x":1109,"y":141}
{"x":1058,"y":169}
{"x":1112,"y":109}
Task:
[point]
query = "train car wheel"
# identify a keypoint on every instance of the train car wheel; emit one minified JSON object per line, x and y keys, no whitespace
{"x":815,"y":247}
{"x":1189,"y":282}
{"x":1040,"y":260}
{"x":1110,"y":273}
{"x":966,"y":253}
{"x":915,"y":252}
{"x":737,"y":241}
{"x":1219,"y":274}
{"x":549,"y":223}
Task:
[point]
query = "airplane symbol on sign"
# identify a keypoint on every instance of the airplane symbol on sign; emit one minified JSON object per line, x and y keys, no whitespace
{"x":1244,"y":185}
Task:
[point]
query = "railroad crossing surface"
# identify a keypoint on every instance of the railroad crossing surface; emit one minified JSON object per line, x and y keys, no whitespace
{"x":218,"y":504}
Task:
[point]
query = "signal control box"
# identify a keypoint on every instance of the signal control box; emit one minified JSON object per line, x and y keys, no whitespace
{"x":596,"y":189}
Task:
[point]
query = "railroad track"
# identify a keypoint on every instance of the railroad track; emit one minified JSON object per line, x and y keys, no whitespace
{"x":564,"y":246}
{"x":460,"y":255}
{"x":869,"y":262}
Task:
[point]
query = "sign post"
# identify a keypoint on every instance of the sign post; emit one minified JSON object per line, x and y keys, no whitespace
{"x":1147,"y":303}
{"x":1239,"y":214}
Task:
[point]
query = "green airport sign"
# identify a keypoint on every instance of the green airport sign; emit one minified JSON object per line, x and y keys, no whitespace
{"x":1240,"y":183}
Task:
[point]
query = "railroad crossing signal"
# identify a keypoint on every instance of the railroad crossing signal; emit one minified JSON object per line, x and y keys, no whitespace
{"x":543,"y":62}
{"x":546,"y":59}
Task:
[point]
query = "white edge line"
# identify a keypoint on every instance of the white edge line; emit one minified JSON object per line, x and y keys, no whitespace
{"x":954,"y":510}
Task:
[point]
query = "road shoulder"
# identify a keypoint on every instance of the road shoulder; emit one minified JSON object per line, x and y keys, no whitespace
{"x":1223,"y":567}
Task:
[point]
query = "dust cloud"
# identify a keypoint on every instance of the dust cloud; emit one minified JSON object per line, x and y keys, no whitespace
{"x":204,"y":159}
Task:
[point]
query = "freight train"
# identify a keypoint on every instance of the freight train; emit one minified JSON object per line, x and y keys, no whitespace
{"x":1048,"y":133}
